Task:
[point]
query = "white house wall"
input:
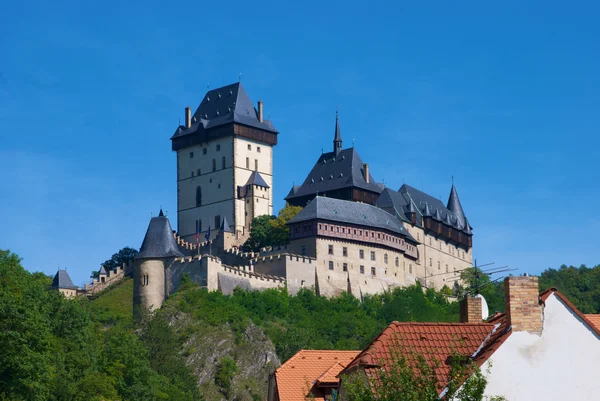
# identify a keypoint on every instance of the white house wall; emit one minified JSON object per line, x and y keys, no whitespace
{"x":560,"y":365}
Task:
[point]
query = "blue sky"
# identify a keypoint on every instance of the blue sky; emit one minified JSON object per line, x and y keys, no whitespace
{"x":504,"y":97}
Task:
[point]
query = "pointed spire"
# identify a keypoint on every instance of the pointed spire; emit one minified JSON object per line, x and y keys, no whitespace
{"x":411,"y":207}
{"x":224,"y":226}
{"x":337,"y":140}
{"x":427,"y":212}
{"x":437,"y":215}
{"x":454,"y":205}
{"x":102,"y":271}
{"x":448,"y":220}
{"x":161,"y":214}
{"x":159,"y":241}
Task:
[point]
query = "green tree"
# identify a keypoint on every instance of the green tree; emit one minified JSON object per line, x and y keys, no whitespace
{"x":260,"y":233}
{"x":270,"y":230}
{"x":226,"y":369}
{"x":474,"y":279}
{"x":124,"y":255}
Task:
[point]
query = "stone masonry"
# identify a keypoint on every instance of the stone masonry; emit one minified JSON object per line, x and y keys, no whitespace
{"x":523,"y":309}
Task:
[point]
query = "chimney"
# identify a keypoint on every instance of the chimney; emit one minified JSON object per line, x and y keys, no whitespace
{"x":471,"y":310}
{"x":366,"y":168}
{"x":522,"y":300}
{"x":188,"y":117}
{"x":260,"y":111}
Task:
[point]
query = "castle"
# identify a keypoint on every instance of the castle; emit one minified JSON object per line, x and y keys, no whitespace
{"x":353,"y":234}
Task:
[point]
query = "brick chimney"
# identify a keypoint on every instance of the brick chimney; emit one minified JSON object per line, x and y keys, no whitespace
{"x":471,"y":310}
{"x":260,"y":111}
{"x":522,"y":300}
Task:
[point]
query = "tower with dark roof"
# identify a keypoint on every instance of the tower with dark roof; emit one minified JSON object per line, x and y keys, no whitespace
{"x":150,"y":265}
{"x":63,"y":284}
{"x":224,"y":152}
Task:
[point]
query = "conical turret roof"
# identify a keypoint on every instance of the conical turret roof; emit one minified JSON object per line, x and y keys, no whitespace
{"x":225,"y":227}
{"x":437,"y":215}
{"x":454,"y":205}
{"x":159,"y":241}
{"x":427,"y":212}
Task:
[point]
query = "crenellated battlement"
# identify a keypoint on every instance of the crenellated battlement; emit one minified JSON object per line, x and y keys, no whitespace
{"x":103,"y":281}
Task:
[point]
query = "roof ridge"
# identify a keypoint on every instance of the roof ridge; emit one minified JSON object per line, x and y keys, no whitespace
{"x":440,"y":323}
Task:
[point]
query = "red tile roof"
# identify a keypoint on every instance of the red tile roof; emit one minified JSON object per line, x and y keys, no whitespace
{"x":594,"y":319}
{"x":437,"y":342}
{"x":297,"y":377}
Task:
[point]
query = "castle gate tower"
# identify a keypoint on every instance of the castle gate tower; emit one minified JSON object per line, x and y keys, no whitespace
{"x":224,"y":164}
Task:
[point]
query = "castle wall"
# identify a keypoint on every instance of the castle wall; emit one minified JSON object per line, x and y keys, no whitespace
{"x":111,"y":278}
{"x":68,"y":293}
{"x":149,"y":283}
{"x":438,"y":257}
{"x":299,"y":271}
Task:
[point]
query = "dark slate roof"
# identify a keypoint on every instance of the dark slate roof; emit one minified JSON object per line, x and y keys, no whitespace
{"x":293,"y":191}
{"x":454,"y":205}
{"x":62,"y":280}
{"x":102,"y":270}
{"x":333,"y":172}
{"x":159,"y":241}
{"x":256,"y":179}
{"x":225,"y":226}
{"x":224,"y":105}
{"x":357,"y":213}
{"x":400,"y":203}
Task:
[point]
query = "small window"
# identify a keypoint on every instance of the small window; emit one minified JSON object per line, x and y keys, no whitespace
{"x":385,"y":258}
{"x":325,"y":227}
{"x":337,"y":229}
{"x":256,"y":164}
{"x":331,"y":249}
{"x":218,"y":147}
{"x":204,"y":150}
{"x":344,"y":251}
{"x":359,"y":232}
{"x":198,"y":172}
{"x":330,"y":265}
{"x":191,"y":155}
{"x":446,"y":268}
{"x":258,"y":149}
{"x":217,"y":221}
{"x":397,"y":261}
{"x":198,"y":196}
{"x":145,"y":280}
{"x":223,"y":162}
{"x":410,"y":268}
{"x":373,"y":271}
{"x":354,"y":232}
{"x":378,"y":235}
{"x":361,"y":254}
{"x":248,"y":163}
{"x":362,"y":270}
{"x":320,"y":227}
{"x":373,"y":255}
{"x":249,"y":147}
{"x":214,"y":165}
{"x":418,"y":236}
{"x":372,"y":235}
{"x":463,"y":254}
{"x":345,"y":267}
{"x":430,"y":262}
{"x":438,"y":265}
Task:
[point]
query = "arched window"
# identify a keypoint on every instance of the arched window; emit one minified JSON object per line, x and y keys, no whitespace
{"x":198,"y":196}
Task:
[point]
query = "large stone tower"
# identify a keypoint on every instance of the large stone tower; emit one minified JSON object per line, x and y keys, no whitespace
{"x":224,"y":164}
{"x":159,"y":249}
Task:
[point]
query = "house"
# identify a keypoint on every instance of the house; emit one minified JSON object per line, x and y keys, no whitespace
{"x":542,"y":347}
{"x":63,"y":284}
{"x":310,"y":374}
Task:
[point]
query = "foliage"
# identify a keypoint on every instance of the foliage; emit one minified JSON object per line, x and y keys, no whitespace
{"x":270,"y":230}
{"x":295,"y":322}
{"x":410,"y":376}
{"x":53,"y":348}
{"x":124,"y":255}
{"x":114,"y":304}
{"x":225,"y":372}
{"x":581,"y":285}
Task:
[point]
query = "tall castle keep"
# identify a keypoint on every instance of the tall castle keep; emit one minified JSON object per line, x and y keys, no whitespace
{"x":353,"y":234}
{"x":224,"y":164}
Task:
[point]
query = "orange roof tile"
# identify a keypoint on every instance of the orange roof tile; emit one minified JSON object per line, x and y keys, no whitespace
{"x":297,"y":377}
{"x":330,"y":375}
{"x":435,"y":341}
{"x":594,"y":319}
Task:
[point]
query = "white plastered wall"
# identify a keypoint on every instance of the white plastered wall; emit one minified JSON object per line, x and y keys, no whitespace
{"x":559,"y":365}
